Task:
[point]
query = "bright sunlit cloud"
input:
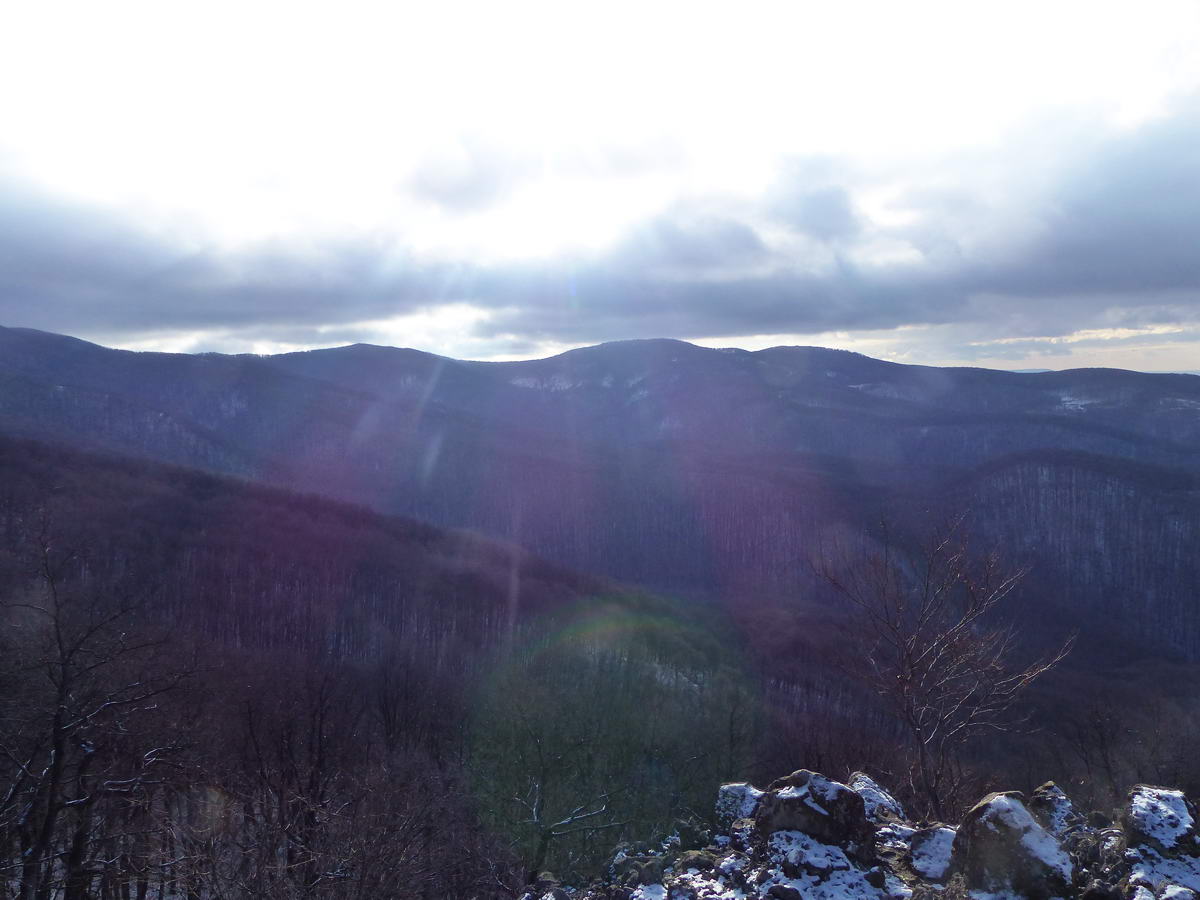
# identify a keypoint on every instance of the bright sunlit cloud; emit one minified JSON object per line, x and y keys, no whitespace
{"x":861,"y":141}
{"x":265,"y":118}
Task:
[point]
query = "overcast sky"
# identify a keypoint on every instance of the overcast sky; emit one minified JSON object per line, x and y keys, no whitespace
{"x":1005,"y":184}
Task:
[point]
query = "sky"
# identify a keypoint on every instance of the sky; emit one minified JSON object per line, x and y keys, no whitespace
{"x":1013,"y":185}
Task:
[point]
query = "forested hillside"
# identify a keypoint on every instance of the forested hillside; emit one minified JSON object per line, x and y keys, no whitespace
{"x":215,"y":687}
{"x":256,"y":568}
{"x":707,"y":472}
{"x":212,"y":686}
{"x":302,"y":648}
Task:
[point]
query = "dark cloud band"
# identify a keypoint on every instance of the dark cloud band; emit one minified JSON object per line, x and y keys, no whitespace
{"x":1101,"y":243}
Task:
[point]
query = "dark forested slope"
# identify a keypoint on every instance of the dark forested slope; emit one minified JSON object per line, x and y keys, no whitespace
{"x":257,"y":567}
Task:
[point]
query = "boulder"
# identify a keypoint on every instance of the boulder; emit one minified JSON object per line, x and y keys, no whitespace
{"x":930,"y":850}
{"x":692,"y":834}
{"x":1001,"y":848}
{"x":736,"y":801}
{"x":880,"y":805}
{"x":817,"y":806}
{"x":634,"y":869}
{"x":1163,"y":850}
{"x":649,"y":870}
{"x":742,"y":835}
{"x":1053,"y":809}
{"x":701,"y":860}
{"x":1161,"y":819}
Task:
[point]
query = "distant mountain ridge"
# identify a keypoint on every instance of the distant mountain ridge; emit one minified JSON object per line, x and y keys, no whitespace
{"x":673,"y":465}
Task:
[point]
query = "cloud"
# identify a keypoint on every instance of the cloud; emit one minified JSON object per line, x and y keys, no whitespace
{"x":468,"y":174}
{"x":1124,"y":220}
{"x":76,"y":268}
{"x":1087,"y":235}
{"x":825,"y":213}
{"x":684,"y":243}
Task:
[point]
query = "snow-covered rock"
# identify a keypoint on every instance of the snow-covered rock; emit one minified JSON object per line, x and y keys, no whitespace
{"x":1001,"y":849}
{"x":818,"y":871}
{"x":895,"y":836}
{"x":1160,"y":818}
{"x":817,"y":806}
{"x":808,"y":837}
{"x":1160,"y":833}
{"x":736,"y":801}
{"x":880,"y":805}
{"x":1053,"y":809}
{"x":930,"y":851}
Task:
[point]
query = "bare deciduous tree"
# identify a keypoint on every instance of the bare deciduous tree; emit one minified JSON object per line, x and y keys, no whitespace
{"x":589,"y":817}
{"x":69,"y":739}
{"x":936,"y":648}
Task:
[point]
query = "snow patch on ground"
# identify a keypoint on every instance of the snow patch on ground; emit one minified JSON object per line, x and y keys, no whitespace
{"x":889,"y":391}
{"x":1067,"y":400}
{"x":731,"y":864}
{"x":895,"y":835}
{"x":703,"y":887}
{"x":650,"y":892}
{"x":1153,"y":871}
{"x":553,"y":383}
{"x":826,"y":873}
{"x":1174,"y":403}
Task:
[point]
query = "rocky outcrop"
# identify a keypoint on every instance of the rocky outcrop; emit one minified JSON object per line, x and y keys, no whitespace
{"x":809,"y":837}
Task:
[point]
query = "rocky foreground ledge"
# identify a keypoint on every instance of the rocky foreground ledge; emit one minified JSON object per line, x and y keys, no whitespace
{"x":808,"y":837}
